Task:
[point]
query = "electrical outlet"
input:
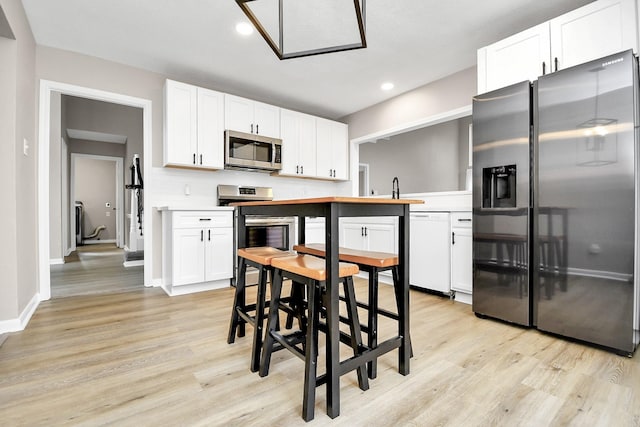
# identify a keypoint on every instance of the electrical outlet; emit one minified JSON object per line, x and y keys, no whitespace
{"x":108,"y":213}
{"x":187,"y":190}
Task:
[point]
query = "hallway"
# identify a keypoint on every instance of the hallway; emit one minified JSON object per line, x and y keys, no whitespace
{"x":93,"y":270}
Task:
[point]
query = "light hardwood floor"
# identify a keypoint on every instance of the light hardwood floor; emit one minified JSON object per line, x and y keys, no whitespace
{"x":142,"y":358}
{"x":94,"y":269}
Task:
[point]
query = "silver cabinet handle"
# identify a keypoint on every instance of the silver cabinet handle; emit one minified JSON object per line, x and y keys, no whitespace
{"x":464,"y":219}
{"x":202,"y":235}
{"x":205,"y":219}
{"x":258,"y":129}
{"x":251,"y":127}
{"x":209,"y":231}
{"x":200,"y":158}
{"x":453,"y":238}
{"x":194,"y":158}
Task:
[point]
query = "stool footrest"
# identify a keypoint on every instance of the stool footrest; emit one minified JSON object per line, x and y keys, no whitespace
{"x":290,"y":342}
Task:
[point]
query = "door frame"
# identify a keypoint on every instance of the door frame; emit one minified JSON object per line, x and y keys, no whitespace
{"x":119,"y":191}
{"x":44,"y":124}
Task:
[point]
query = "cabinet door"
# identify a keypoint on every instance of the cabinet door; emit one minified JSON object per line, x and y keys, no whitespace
{"x":598,"y":29}
{"x":180,"y":109}
{"x":314,"y":232}
{"x":381,"y":237}
{"x":290,"y":147}
{"x":340,"y":150}
{"x":210,"y":129}
{"x":266,"y":119}
{"x":332,"y":147}
{"x":461,"y":259}
{"x":298,"y":132}
{"x":218,"y":253}
{"x":429,"y":263}
{"x":523,"y":56}
{"x":324,"y":149}
{"x":352,"y":236}
{"x":188,"y":256}
{"x":238,"y":113}
{"x":307,"y":145}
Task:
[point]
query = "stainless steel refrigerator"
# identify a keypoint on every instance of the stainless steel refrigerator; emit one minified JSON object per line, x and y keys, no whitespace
{"x":555,"y":202}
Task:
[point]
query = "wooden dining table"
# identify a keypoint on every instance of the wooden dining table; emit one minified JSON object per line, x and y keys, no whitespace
{"x":332,"y":208}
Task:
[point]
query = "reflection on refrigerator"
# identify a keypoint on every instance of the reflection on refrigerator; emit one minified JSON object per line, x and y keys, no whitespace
{"x":570,"y":140}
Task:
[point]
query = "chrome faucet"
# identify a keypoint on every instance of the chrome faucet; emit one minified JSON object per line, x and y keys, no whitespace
{"x":395,"y":192}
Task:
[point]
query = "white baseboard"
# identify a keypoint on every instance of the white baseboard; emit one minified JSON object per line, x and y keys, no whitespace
{"x":197,"y":287}
{"x":98,"y":242}
{"x":135,"y":263}
{"x":68,"y":252}
{"x":14,"y":325}
{"x":155,"y":283}
{"x":463,"y":297}
{"x":56,"y":261}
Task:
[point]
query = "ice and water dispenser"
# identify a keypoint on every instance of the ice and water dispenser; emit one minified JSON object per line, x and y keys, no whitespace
{"x":499,"y":187}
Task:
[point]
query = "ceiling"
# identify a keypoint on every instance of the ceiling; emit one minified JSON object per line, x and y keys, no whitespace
{"x":410,"y":43}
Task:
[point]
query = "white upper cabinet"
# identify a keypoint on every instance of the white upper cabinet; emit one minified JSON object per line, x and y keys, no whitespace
{"x":598,"y":29}
{"x":194,"y":119}
{"x":523,"y":56}
{"x":211,"y":128}
{"x":246,"y":115}
{"x":332,"y":148}
{"x":298,"y":132}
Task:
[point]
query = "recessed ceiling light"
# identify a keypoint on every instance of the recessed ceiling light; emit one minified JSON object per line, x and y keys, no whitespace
{"x":244,"y":28}
{"x":386,"y":86}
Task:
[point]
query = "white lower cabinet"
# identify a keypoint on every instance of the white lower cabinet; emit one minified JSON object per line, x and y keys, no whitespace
{"x":429,"y":263}
{"x":461,"y":252}
{"x":370,"y":234}
{"x":197,"y":249}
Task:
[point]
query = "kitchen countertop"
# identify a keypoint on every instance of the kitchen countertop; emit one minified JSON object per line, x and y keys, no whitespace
{"x":194,"y":208}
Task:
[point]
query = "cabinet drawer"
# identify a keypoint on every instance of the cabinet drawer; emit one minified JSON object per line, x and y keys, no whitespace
{"x":461,"y":219}
{"x":197,"y":219}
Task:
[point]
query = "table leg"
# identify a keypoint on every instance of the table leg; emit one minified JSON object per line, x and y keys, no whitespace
{"x":332,"y":305}
{"x":403,"y":304}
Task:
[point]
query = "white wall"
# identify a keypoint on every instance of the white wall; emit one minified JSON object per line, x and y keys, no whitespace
{"x":447,"y":94}
{"x":424,"y":160}
{"x":18,"y":260}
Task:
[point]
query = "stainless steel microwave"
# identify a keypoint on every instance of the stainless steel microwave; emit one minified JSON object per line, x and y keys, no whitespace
{"x":251,"y":151}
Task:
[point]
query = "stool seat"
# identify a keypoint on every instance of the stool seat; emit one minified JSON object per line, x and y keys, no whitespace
{"x":370,"y":258}
{"x":311,"y":267}
{"x":262,"y":255}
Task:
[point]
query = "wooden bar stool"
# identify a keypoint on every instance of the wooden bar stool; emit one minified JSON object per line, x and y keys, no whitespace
{"x":253,"y":314}
{"x":373,"y":263}
{"x":309,"y":271}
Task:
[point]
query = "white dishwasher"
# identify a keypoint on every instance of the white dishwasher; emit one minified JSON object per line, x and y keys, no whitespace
{"x":429,"y":263}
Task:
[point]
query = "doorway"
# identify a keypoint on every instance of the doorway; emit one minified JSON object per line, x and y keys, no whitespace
{"x":47,"y":88}
{"x":97,"y":194}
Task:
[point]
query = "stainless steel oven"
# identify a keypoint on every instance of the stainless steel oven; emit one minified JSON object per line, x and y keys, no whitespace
{"x":277,"y":232}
